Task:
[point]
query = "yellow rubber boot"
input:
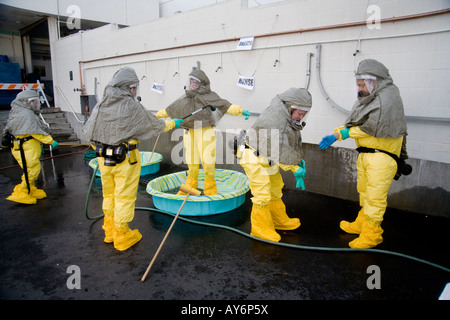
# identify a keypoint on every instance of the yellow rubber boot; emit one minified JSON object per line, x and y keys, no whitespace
{"x":124,"y":237}
{"x":355,"y":226}
{"x":108,"y":226}
{"x":37,"y":193}
{"x":21,"y":195}
{"x":280,"y":219}
{"x":210,"y":187}
{"x":190,"y":182}
{"x":369,"y":237}
{"x":262,"y":224}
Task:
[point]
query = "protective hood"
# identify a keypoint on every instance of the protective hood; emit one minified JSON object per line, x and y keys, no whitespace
{"x":281,"y":141}
{"x":27,"y":94}
{"x":23,"y":118}
{"x":196,"y":99}
{"x":380,"y":114}
{"x":118,"y":117}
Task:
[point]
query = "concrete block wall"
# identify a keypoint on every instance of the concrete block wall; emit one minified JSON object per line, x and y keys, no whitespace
{"x":166,"y":50}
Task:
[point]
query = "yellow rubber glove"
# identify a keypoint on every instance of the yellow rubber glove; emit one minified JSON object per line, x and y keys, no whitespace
{"x":235,"y":110}
{"x":170,"y":124}
{"x":162,"y":114}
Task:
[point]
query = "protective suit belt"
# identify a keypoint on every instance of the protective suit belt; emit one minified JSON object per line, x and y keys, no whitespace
{"x":402,"y":167}
{"x":371,"y":150}
{"x":113,"y":154}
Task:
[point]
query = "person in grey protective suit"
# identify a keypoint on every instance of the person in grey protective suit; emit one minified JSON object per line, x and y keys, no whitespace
{"x":28,"y":132}
{"x":118,"y":122}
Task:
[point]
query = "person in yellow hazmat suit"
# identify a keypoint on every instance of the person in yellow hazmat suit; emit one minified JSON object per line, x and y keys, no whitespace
{"x":274,"y":141}
{"x":377,"y":123}
{"x":28,"y":132}
{"x":199,"y":139}
{"x":118,"y":122}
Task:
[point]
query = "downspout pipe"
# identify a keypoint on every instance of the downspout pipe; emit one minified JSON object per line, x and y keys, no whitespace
{"x":308,"y":70}
{"x":319,"y":82}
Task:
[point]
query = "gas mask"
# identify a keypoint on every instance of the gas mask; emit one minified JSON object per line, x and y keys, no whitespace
{"x":299,"y":124}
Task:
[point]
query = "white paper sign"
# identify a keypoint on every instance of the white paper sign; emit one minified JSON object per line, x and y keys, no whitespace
{"x":245,"y":43}
{"x":157,"y":87}
{"x":246,"y":82}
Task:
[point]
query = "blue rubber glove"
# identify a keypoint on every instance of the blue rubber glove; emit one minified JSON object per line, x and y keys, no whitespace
{"x":42,"y":149}
{"x":300,"y":175}
{"x":327,"y":141}
{"x":246,"y":113}
{"x":177,"y":122}
{"x":54,"y":145}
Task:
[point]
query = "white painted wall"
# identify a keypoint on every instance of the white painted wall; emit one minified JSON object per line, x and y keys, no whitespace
{"x":415,"y":51}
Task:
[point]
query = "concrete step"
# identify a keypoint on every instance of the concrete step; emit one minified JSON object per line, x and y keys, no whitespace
{"x":61,"y":132}
{"x":46,"y":110}
{"x":56,"y":116}
{"x":60,"y":128}
{"x":55,"y":120}
{"x":59,"y":125}
{"x":72,"y":138}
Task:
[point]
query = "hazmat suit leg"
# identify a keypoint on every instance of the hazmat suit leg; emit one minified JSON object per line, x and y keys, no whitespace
{"x":369,"y":237}
{"x":262,"y":224}
{"x":192,"y":157}
{"x":37,"y":193}
{"x":200,"y":144}
{"x":260,"y":186}
{"x":355,"y":226}
{"x":375,"y":174}
{"x":32,"y":151}
{"x":21,"y":195}
{"x":108,"y":227}
{"x":277,"y":208}
{"x":191,"y":179}
{"x":120,"y":184}
{"x":280,"y":219}
{"x":208,"y":157}
{"x":125,"y":238}
{"x":108,"y":187}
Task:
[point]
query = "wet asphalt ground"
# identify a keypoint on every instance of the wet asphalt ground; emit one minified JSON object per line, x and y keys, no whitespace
{"x":48,"y":248}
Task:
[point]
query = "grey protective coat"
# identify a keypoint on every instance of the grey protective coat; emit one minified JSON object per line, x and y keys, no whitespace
{"x":193,"y":100}
{"x":23,"y":119}
{"x":118,"y":117}
{"x":274,"y":134}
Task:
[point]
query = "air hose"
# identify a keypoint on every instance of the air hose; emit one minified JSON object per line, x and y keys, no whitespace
{"x":281,"y":244}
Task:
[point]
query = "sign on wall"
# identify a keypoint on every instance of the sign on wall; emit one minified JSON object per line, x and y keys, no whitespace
{"x":245,"y":43}
{"x":158,"y":87}
{"x":246,"y":82}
